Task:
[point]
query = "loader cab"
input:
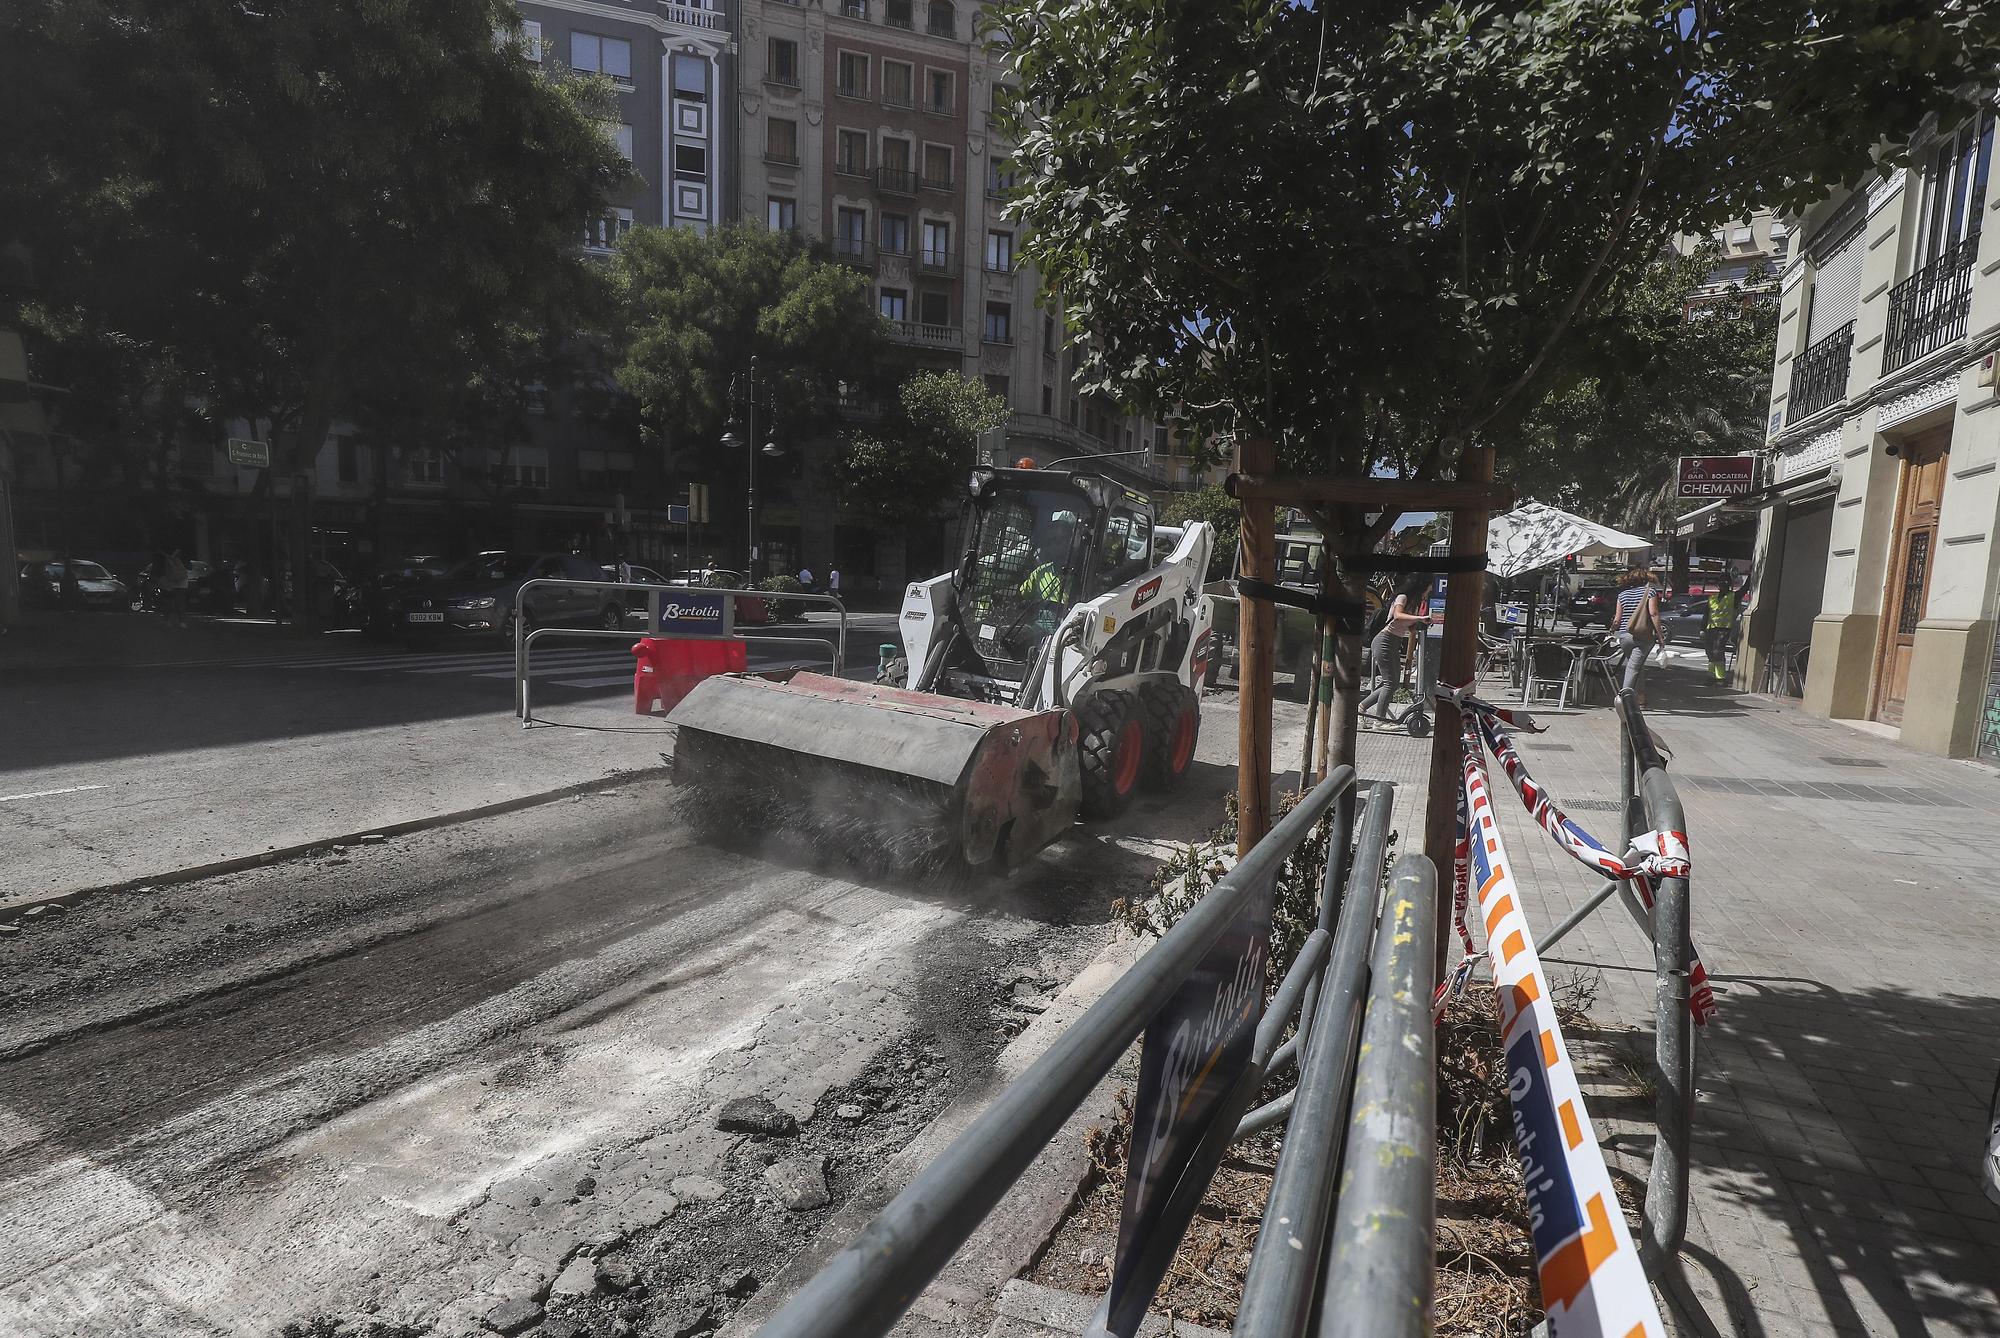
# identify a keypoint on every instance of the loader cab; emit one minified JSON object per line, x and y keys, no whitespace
{"x":1036,"y":544}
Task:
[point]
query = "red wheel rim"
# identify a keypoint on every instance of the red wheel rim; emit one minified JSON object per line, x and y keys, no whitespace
{"x":1182,"y":751}
{"x":1131,"y":750}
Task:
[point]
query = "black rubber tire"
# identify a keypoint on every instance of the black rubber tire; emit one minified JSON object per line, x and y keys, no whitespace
{"x":611,"y":618}
{"x":1165,"y":705}
{"x":1104,"y":737}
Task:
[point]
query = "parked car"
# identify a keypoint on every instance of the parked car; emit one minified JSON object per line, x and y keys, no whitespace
{"x":479,"y":596}
{"x":89,"y":585}
{"x":1592,"y":605}
{"x":1683,"y":617}
{"x":381,"y":594}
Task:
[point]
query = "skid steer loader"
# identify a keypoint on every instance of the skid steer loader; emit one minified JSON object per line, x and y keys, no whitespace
{"x":1047,"y":676}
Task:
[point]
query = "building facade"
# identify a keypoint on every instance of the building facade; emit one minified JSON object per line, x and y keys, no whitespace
{"x":1876,"y":556}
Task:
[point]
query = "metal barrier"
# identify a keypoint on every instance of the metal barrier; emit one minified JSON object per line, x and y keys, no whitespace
{"x":655,"y":596}
{"x":1330,"y":991}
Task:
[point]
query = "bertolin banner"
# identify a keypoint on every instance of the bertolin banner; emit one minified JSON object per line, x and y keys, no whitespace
{"x":1593,"y":1285}
{"x":1194,"y":1051}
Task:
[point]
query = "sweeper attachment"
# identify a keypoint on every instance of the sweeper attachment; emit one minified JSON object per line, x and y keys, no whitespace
{"x":1048,"y":676}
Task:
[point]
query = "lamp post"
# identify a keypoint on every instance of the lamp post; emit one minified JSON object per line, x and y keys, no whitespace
{"x":746,"y":385}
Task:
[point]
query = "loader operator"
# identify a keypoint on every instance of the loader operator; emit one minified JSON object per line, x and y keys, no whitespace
{"x":1046,"y":589}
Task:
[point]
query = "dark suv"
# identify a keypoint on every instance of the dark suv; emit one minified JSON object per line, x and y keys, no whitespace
{"x":1592,"y":604}
{"x":479,"y":596}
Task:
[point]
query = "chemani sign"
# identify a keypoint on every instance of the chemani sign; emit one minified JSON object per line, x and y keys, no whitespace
{"x":1712,"y":476}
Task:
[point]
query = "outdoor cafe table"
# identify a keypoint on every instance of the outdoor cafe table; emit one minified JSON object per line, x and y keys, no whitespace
{"x":1579,"y":647}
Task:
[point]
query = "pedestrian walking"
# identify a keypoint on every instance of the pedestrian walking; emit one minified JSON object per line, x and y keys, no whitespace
{"x":1637,"y":627}
{"x":1401,"y":625}
{"x":805,"y":578}
{"x":1719,"y":628}
{"x":708,"y":570}
{"x":833,"y":583}
{"x":173,"y":588}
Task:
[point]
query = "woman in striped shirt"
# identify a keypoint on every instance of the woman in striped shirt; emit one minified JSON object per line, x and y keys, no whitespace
{"x":1637,"y":625}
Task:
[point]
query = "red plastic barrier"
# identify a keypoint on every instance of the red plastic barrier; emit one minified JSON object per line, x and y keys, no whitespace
{"x":669,"y":667}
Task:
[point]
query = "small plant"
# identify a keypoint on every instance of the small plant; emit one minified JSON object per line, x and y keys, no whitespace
{"x":782,"y":609}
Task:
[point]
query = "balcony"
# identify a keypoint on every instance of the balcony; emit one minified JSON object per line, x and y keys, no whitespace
{"x":937,"y":183}
{"x":853,"y":251}
{"x":927,"y":336}
{"x":944,"y":263}
{"x":785,"y":79}
{"x":938,"y":26}
{"x":855,"y":91}
{"x":938,"y":108}
{"x":902,"y":101}
{"x":854,"y":9}
{"x":1928,"y":310}
{"x":897,"y":180}
{"x":1819,"y":375}
{"x":896,"y":13}
{"x":779,"y":158}
{"x":847,"y":167}
{"x":685,"y":15}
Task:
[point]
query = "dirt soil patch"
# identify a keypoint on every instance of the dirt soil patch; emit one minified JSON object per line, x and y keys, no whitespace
{"x":1485,"y":1259}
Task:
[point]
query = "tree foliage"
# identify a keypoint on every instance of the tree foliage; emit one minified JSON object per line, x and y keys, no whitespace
{"x":1377,"y":234}
{"x":917,"y":460}
{"x":312,"y":212}
{"x":1661,"y":384}
{"x":1215,"y":506}
{"x":696,"y":309}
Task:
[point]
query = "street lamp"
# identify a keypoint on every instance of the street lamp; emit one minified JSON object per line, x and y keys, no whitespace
{"x":745,"y":386}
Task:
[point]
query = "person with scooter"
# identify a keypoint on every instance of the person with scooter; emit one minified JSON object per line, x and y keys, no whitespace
{"x":1396,"y":630}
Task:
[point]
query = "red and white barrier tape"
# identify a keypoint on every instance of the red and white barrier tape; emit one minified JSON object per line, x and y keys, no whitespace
{"x":1593,"y":1285}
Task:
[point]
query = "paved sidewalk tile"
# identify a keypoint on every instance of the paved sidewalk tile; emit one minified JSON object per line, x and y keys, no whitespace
{"x":1843,"y":901}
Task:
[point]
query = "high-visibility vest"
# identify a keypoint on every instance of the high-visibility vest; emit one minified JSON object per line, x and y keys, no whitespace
{"x":1044,"y":582}
{"x":1722,"y":606}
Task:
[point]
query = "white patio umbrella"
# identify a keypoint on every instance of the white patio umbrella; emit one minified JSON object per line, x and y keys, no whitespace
{"x":1533,"y":536}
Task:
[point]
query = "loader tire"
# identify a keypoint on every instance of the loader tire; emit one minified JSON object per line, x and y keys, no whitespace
{"x":1111,"y":751}
{"x":1173,"y":723}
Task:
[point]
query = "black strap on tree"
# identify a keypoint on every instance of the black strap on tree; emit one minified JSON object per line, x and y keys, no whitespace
{"x":1348,"y":617}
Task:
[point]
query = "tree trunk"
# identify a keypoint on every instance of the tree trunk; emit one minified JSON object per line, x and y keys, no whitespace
{"x":1256,"y":625}
{"x":315,"y":421}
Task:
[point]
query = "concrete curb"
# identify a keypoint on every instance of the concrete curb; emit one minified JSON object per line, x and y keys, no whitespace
{"x":12,"y":909}
{"x":961,"y":1298}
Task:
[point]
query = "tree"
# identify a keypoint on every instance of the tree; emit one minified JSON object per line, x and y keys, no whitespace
{"x":1376,"y":234}
{"x":316,"y":212}
{"x":695,"y":309}
{"x":1215,"y":506}
{"x":903,"y":473}
{"x":1663,"y":384}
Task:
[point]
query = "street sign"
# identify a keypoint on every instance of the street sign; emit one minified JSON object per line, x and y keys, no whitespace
{"x":255,"y":454}
{"x":676,"y":514}
{"x":1712,"y":476}
{"x":1514,"y":615}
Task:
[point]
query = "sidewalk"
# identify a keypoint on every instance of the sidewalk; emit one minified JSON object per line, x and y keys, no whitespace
{"x":1843,"y":901}
{"x":52,"y":639}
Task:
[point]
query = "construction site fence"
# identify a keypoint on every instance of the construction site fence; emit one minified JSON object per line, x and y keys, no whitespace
{"x":1359,"y":991}
{"x":655,"y":596}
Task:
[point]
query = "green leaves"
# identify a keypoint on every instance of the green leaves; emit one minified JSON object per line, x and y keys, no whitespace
{"x":901,"y":473}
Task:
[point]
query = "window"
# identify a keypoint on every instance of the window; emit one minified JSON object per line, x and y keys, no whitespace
{"x":850,"y":232}
{"x":999,"y":323}
{"x":425,"y":464}
{"x":1000,"y":252}
{"x":851,"y":155}
{"x":1162,"y":445}
{"x":938,"y":94}
{"x":691,"y":160}
{"x":690,"y":77}
{"x":896,"y":154}
{"x":536,"y":398}
{"x":781,"y":62}
{"x":854,"y":9}
{"x":934,"y":308}
{"x":602,"y":233}
{"x":937,"y":244}
{"x":784,"y":214}
{"x":1955,"y":189}
{"x":1049,"y":401}
{"x":1128,"y":546}
{"x":601,"y":55}
{"x":1048,"y":334}
{"x":526,"y":467}
{"x":531,"y":40}
{"x":999,"y":177}
{"x":853,"y":75}
{"x":604,"y":471}
{"x":621,"y":135}
{"x":937,"y":166}
{"x":349,"y":459}
{"x":781,"y":141}
{"x":942,"y":19}
{"x":896,"y":234}
{"x":895,"y":304}
{"x":896,"y":13}
{"x":996,"y":385}
{"x":898,"y":84}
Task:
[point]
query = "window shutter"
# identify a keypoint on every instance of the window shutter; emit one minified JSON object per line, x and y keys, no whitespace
{"x":1836,"y":292}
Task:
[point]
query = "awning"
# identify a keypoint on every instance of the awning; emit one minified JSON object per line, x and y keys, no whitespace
{"x":1533,"y":536}
{"x":1730,"y":510}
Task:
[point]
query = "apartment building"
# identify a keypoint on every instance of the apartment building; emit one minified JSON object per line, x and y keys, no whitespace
{"x":1877,"y":573}
{"x":1752,"y":252}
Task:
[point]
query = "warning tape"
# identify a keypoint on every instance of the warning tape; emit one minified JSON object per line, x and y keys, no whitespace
{"x":1658,"y":854}
{"x":1593,"y":1285}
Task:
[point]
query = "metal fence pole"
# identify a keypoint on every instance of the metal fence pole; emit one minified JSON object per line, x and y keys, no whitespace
{"x":1380,"y":1277}
{"x":1673,"y":1044}
{"x":1277,"y":1294}
{"x":867,"y":1286}
{"x":1580,"y":914}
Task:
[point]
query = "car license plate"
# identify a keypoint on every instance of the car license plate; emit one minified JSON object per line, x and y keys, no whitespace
{"x":425,"y":617}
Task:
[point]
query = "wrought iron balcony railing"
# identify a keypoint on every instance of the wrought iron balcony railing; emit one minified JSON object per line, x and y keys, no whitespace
{"x":1819,"y":375}
{"x":1928,"y":310}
